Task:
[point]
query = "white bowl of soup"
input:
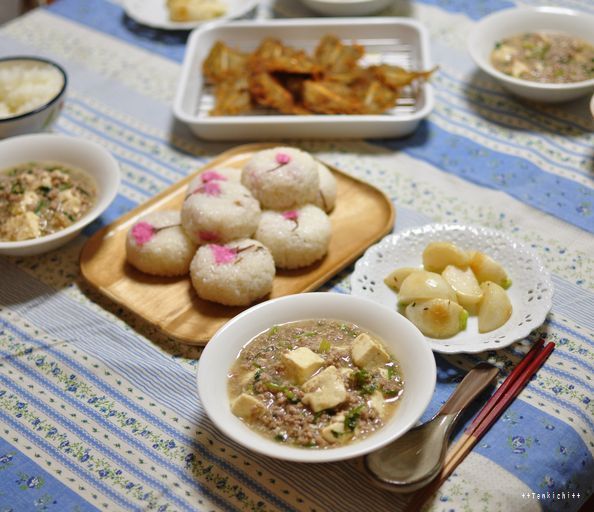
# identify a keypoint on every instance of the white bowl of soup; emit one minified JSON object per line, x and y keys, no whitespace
{"x":347,"y":7}
{"x":51,"y":187}
{"x":316,"y":377}
{"x":542,"y":54}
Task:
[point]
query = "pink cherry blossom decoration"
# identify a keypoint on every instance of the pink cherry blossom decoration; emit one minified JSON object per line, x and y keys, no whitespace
{"x":282,"y":158}
{"x":208,"y":236}
{"x":142,"y":232}
{"x":222,"y":254}
{"x":212,"y":176}
{"x":210,"y":188}
{"x":291,"y":215}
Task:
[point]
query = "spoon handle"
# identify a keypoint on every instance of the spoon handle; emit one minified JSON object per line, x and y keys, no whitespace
{"x":473,"y":384}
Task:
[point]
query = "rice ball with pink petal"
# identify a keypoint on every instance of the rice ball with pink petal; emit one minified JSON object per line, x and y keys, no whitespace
{"x":326,"y":196}
{"x":281,"y":178}
{"x":219,"y":211}
{"x":215,"y":174}
{"x":157,"y":244}
{"x":296,"y":238}
{"x":234,"y":274}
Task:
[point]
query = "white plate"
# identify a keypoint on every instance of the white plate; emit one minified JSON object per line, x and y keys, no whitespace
{"x":399,"y":41}
{"x":154,"y":13}
{"x":531,"y":291}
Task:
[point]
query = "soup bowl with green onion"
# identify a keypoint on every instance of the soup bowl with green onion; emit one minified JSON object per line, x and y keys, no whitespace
{"x":51,"y":187}
{"x":542,"y":54}
{"x":316,"y":377}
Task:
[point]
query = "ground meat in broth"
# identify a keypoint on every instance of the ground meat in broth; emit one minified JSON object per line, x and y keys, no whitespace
{"x":260,"y":372}
{"x":545,"y":57}
{"x":37,"y":199}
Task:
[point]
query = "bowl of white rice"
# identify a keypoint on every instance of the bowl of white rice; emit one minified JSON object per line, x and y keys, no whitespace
{"x":31,"y":94}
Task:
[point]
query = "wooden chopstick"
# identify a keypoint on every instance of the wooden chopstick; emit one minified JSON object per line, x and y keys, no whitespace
{"x":487,"y":416}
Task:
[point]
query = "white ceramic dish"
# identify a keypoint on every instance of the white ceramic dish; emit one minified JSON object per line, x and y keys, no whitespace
{"x":510,"y":22}
{"x":347,"y":7}
{"x":79,"y":153}
{"x":154,"y":13}
{"x":531,"y":291}
{"x":397,"y":41}
{"x":402,"y":338}
{"x":41,"y":117}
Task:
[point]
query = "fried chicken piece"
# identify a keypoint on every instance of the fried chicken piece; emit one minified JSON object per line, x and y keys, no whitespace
{"x":326,"y":97}
{"x":267,"y":91}
{"x":361,"y":97}
{"x":232,"y":97}
{"x":395,"y":76}
{"x":334,"y":57}
{"x":375,"y":97}
{"x":293,"y":83}
{"x":273,"y":56}
{"x":224,"y":63}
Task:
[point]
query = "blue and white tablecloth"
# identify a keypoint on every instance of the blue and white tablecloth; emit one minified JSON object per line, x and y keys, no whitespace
{"x":98,"y":411}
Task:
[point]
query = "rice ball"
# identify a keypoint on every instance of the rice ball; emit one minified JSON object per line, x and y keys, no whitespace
{"x":220,"y":211}
{"x":234,"y":274}
{"x":157,"y":244}
{"x":326,"y":196}
{"x":281,"y":178}
{"x":296,"y":238}
{"x":216,"y":174}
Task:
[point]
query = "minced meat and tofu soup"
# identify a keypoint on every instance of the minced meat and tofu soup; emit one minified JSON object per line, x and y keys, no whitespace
{"x":315,"y":383}
{"x":40,"y":198}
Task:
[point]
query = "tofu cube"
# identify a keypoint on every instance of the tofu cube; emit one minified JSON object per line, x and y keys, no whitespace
{"x":248,"y":378}
{"x":376,"y":401}
{"x":325,"y":390}
{"x":368,"y":353}
{"x":301,"y":364}
{"x":24,"y":226}
{"x":246,"y":406}
{"x":335,"y":433}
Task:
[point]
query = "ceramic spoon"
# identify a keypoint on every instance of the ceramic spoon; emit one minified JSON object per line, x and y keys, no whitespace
{"x":413,"y":460}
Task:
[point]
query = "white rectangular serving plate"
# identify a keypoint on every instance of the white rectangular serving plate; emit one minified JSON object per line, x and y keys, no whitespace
{"x":398,"y":41}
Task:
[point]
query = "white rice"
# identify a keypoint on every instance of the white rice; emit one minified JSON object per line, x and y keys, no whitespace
{"x":296,"y":238}
{"x":281,"y":177}
{"x":216,"y":174}
{"x":234,"y":274}
{"x":26,"y":86}
{"x":326,"y":198}
{"x":160,"y":247}
{"x":220,"y":211}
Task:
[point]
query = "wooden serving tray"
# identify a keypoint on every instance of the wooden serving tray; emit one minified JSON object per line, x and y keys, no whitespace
{"x":363,"y":214}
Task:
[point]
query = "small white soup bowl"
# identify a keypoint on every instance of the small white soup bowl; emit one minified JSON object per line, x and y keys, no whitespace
{"x":511,"y":22}
{"x":70,"y":151}
{"x":402,"y":339}
{"x":347,"y":7}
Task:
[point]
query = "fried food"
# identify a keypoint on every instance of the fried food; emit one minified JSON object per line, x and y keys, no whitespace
{"x":273,"y":56}
{"x":195,"y":10}
{"x":288,"y":80}
{"x":395,"y":76}
{"x":232,"y":97}
{"x":224,"y":63}
{"x":334,"y":57}
{"x":267,"y":91}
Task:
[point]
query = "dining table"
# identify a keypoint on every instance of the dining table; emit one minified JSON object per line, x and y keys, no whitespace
{"x":99,"y":409}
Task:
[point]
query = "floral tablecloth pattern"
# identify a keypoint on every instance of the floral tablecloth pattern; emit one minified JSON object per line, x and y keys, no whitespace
{"x":98,"y":411}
